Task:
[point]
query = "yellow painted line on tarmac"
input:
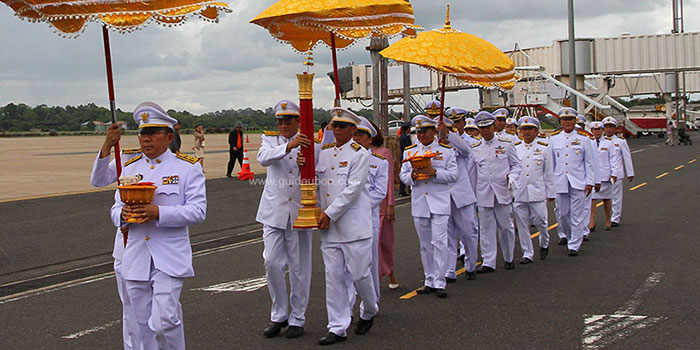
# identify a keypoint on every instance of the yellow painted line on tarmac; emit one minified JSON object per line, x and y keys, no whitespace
{"x":463,"y":270}
{"x":662,"y":175}
{"x":679,"y":167}
{"x":17,"y":199}
{"x":638,"y":186}
{"x":692,"y":161}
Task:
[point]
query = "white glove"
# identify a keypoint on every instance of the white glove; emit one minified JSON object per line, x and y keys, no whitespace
{"x":512,"y":183}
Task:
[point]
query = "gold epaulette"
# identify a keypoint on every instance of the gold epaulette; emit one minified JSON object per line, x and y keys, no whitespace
{"x":185,"y":157}
{"x":608,"y":138}
{"x":271,"y":133}
{"x":445,"y":145}
{"x":133,"y":160}
{"x":378,"y":155}
{"x":510,"y":132}
{"x":411,"y":146}
{"x":317,"y":140}
{"x":355,"y":146}
{"x":585,"y":133}
{"x":131,"y":150}
{"x":543,"y":143}
{"x":328,"y":145}
{"x":478,"y":137}
{"x":517,"y":143}
{"x":475,"y":144}
{"x":556,"y":132}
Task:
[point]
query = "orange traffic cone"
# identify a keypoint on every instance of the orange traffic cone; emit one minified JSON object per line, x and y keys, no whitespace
{"x":245,"y":173}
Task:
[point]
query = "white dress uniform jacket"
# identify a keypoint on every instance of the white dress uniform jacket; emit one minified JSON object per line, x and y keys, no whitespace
{"x":494,"y":162}
{"x":536,"y":182}
{"x":431,"y":196}
{"x":181,"y":198}
{"x":573,"y":160}
{"x":280,"y":202}
{"x":621,"y":144}
{"x":377,"y":188}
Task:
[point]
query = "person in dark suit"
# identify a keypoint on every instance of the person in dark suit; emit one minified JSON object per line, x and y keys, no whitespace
{"x":235,"y":149}
{"x":177,"y":141}
{"x":404,"y":141}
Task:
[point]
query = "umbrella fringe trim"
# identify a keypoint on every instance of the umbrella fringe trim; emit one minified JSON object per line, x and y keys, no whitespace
{"x":462,"y":77}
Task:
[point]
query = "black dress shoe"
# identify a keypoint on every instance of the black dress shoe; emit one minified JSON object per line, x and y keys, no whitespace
{"x":274,"y":328}
{"x":573,"y":252}
{"x":615,"y":224}
{"x":440,"y":293}
{"x":543,"y":253}
{"x":484,"y":269}
{"x":331,"y":338}
{"x":425,"y":290}
{"x":294,"y":332}
{"x":510,"y":265}
{"x":363,"y":326}
{"x":461,"y":259}
{"x":592,"y":229}
{"x":525,"y":261}
{"x":586,"y":238}
{"x":607,"y":228}
{"x":471,"y":275}
{"x":563,"y":241}
{"x":450,"y":280}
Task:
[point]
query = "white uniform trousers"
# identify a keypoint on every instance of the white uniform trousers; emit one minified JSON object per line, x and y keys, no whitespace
{"x":572,"y":216}
{"x":587,"y":208}
{"x":129,"y":326}
{"x":460,"y":229}
{"x":560,"y":229}
{"x":375,"y":250}
{"x":432,"y":234}
{"x":491,"y":220}
{"x":158,"y":311}
{"x":290,"y":249}
{"x":525,"y":213}
{"x":348,"y":261}
{"x":617,"y":190}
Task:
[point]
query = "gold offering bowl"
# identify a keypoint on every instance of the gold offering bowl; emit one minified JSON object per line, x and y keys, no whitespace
{"x":136,"y":194}
{"x":421,"y":163}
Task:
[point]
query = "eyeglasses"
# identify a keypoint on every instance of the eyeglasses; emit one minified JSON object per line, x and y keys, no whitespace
{"x":147,"y":132}
{"x":284,"y":121}
{"x":340,"y":125}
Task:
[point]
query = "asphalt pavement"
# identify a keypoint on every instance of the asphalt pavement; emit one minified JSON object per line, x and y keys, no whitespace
{"x":635,"y":286}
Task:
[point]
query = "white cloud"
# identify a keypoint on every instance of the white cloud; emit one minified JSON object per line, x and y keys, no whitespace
{"x":202,"y":67}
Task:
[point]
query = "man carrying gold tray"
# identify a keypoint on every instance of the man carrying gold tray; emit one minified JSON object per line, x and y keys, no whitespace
{"x":158,"y":255}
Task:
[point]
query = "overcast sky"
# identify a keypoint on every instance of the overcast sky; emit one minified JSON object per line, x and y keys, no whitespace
{"x":203,"y":67}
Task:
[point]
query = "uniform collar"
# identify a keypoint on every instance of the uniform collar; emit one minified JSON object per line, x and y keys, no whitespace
{"x":161,"y":158}
{"x":432,"y":145}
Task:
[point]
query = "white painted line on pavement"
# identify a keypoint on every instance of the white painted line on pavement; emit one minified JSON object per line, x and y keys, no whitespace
{"x":90,"y":330}
{"x":603,"y":330}
{"x":244,"y":285}
{"x":637,"y":151}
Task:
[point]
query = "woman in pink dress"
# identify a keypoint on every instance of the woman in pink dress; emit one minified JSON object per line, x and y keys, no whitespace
{"x":386,"y":216}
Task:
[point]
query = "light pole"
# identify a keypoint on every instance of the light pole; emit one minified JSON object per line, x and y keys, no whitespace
{"x":572,"y":53}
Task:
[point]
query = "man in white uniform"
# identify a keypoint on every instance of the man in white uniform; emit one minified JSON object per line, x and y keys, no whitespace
{"x":609,"y":171}
{"x":620,"y":145}
{"x":496,"y":165}
{"x":104,"y":173}
{"x":346,"y":227}
{"x":158,"y":255}
{"x":377,"y":185}
{"x":535,"y":188}
{"x":285,"y":246}
{"x":574,"y":177}
{"x":463,"y":224}
{"x":430,"y":201}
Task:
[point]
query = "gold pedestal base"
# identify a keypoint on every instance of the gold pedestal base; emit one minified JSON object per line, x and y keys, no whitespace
{"x":309,"y":213}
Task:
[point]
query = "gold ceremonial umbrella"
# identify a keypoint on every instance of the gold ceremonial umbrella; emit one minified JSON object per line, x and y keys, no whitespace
{"x":337,"y":23}
{"x":451,"y":52}
{"x":69,"y":18}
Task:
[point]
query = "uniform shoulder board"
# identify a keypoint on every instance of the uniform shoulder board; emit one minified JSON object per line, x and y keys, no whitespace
{"x":478,"y":137}
{"x":131,"y":150}
{"x":185,"y":157}
{"x":543,"y":143}
{"x":510,"y":133}
{"x":271,"y":133}
{"x":317,"y":140}
{"x":517,"y":143}
{"x":505,"y":139}
{"x":608,"y":138}
{"x":475,"y":144}
{"x":411,"y":146}
{"x":133,"y":160}
{"x":328,"y":145}
{"x":445,"y":145}
{"x":378,"y":155}
{"x":586,"y":133}
{"x":355,"y":146}
{"x":556,"y":132}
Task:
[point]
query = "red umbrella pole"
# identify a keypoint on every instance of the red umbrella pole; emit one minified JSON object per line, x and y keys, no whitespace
{"x":335,"y":71}
{"x":309,"y":213}
{"x":112,"y":105}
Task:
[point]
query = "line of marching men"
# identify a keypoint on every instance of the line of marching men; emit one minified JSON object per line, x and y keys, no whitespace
{"x":479,"y":175}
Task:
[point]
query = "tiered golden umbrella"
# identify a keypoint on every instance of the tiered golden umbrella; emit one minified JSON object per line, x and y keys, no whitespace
{"x":451,"y":52}
{"x":70,"y":17}
{"x":338,"y":24}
